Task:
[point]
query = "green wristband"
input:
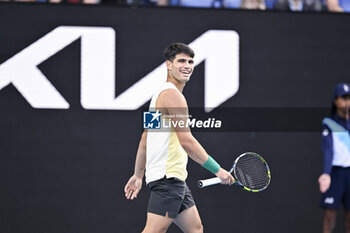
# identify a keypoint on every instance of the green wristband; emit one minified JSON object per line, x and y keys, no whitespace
{"x":211,"y":165}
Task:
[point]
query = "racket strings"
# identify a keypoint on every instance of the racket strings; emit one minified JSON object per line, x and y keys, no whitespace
{"x":252,"y":172}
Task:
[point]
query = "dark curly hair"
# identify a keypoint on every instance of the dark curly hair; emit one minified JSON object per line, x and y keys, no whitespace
{"x":176,"y":48}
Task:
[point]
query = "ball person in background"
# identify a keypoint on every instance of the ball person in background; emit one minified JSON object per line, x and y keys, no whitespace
{"x":163,"y":156}
{"x":335,"y":180}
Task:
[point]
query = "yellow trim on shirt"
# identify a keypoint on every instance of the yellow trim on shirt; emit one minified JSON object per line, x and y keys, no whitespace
{"x":177,"y":158}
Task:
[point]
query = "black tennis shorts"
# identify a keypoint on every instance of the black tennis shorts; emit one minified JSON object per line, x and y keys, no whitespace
{"x":169,"y":195}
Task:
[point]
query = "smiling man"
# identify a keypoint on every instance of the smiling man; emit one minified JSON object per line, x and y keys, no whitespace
{"x":163,"y":156}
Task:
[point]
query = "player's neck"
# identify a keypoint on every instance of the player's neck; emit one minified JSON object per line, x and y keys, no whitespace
{"x":179,"y":85}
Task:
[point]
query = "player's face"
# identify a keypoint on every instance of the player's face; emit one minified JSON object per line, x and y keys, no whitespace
{"x":181,"y":67}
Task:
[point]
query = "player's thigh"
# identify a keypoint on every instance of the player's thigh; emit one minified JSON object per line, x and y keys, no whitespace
{"x":189,"y":221}
{"x":157,"y":223}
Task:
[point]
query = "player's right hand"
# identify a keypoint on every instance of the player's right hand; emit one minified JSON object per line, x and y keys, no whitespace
{"x":133,"y":187}
{"x":225,"y":176}
{"x":325,"y":181}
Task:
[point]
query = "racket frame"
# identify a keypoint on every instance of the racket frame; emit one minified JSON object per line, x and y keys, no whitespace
{"x":216,"y":180}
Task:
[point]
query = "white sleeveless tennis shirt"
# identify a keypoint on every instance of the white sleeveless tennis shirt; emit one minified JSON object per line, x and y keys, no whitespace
{"x":164,"y":154}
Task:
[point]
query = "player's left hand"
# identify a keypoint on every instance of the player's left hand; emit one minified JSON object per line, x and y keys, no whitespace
{"x":225,"y":177}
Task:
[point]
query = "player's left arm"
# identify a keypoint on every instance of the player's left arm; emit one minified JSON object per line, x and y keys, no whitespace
{"x":175,"y":104}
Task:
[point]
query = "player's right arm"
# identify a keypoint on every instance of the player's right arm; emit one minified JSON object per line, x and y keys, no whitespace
{"x":134,"y":185}
{"x":175,"y":104}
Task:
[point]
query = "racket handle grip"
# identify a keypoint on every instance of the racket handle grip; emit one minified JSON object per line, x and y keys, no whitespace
{"x":208,"y":182}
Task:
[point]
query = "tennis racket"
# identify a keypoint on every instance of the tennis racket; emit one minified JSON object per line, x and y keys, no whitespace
{"x":250,"y":171}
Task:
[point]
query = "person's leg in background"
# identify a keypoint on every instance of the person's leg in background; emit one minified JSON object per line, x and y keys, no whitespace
{"x":330,"y":216}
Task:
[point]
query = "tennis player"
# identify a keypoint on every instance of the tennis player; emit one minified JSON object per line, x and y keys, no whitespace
{"x":335,"y":180}
{"x":163,"y":156}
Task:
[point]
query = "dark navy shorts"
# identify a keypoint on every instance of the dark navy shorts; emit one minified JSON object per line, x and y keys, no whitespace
{"x":339,"y":191}
{"x":170,"y":196}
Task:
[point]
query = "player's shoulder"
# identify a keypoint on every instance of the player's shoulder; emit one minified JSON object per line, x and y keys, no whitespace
{"x":171,"y":93}
{"x":171,"y":98}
